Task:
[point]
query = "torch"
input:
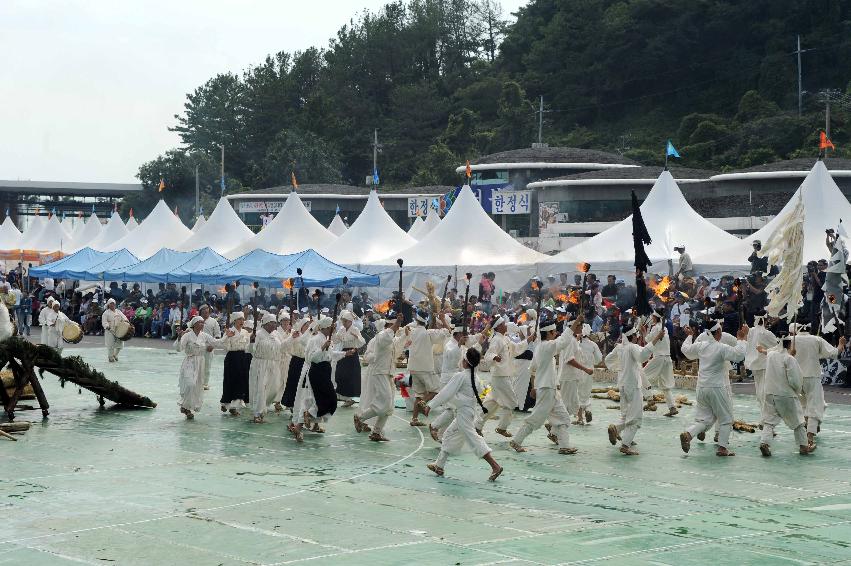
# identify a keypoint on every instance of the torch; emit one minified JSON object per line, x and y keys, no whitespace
{"x":254,"y":305}
{"x":467,"y":277}
{"x":300,"y":287}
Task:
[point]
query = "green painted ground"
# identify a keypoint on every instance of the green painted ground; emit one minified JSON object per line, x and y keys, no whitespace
{"x":98,"y":486}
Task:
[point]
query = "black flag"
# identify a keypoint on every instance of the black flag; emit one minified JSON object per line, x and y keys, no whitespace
{"x":640,"y":238}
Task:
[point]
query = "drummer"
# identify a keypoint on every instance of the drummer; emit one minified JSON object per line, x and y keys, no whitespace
{"x":111,"y":319}
{"x":56,"y":321}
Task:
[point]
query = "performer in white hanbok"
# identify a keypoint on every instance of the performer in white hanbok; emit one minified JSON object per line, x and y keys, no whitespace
{"x":450,"y":364}
{"x":626,"y":358}
{"x":109,"y":319}
{"x":548,"y":402}
{"x":573,"y":377}
{"x":755,"y":360}
{"x":500,"y":401}
{"x":237,"y":366}
{"x":42,"y":319}
{"x":714,"y":403}
{"x":523,"y":362}
{"x":378,"y":393}
{"x":56,"y":321}
{"x":265,"y":361}
{"x":316,"y":399}
{"x":462,"y":395}
{"x":193,"y":344}
{"x":419,"y":343}
{"x":783,"y":386}
{"x":809,"y":350}
{"x":287,"y":337}
{"x":660,"y":370}
{"x":347,"y":378}
{"x":211,"y":327}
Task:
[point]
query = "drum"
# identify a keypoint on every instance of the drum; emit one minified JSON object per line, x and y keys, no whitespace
{"x":124,"y":331}
{"x":72,"y":333}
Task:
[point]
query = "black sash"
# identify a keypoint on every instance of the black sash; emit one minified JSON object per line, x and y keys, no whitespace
{"x":527,"y":355}
{"x":348,"y":376}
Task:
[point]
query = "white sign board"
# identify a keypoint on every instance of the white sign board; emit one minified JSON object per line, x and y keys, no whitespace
{"x":420,"y":206}
{"x":251,"y":206}
{"x":511,"y":202}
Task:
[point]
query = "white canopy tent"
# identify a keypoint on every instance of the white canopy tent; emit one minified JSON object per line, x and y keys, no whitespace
{"x":222,"y":231}
{"x":670,"y":221}
{"x":416,"y":228}
{"x":430,"y":223}
{"x":51,"y":238}
{"x":77,"y":230}
{"x":114,"y":231}
{"x":824,"y":207}
{"x":293,"y":230}
{"x":199,"y":222}
{"x":373,"y":236}
{"x":85,"y":232}
{"x":466,"y":240}
{"x":10,"y":236}
{"x":161,"y":229}
{"x":337,"y":226}
{"x":32,"y":231}
{"x":131,"y":222}
{"x":68,"y":225}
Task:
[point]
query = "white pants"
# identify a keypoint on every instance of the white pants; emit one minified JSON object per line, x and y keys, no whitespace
{"x":586,"y":383}
{"x":208,"y":361}
{"x":713,"y":404}
{"x":759,"y":386}
{"x":113,"y":344}
{"x":814,"y":405}
{"x":500,"y":400}
{"x":461,"y":433}
{"x":785,"y":409}
{"x":377,"y":400}
{"x":570,"y":395}
{"x":521,"y":381}
{"x":632,"y":413}
{"x":660,"y":372}
{"x":548,"y":406}
{"x":260,"y":374}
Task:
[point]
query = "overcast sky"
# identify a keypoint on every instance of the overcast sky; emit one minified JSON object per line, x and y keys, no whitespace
{"x":88,"y":88}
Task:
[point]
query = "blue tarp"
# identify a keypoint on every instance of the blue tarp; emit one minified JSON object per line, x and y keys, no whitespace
{"x":168,"y":266}
{"x":118,"y":259}
{"x":271,"y":269}
{"x":77,"y":261}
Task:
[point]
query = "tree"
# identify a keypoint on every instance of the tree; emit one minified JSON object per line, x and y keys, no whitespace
{"x":176,"y":169}
{"x":303,"y":153}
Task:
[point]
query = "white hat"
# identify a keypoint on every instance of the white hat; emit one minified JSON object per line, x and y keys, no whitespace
{"x":110,"y":301}
{"x":421,"y":318}
{"x":347,"y":315}
{"x":586,"y":330}
{"x":531,"y":314}
{"x":283,"y":316}
{"x":305,"y":310}
{"x":249,"y":323}
{"x":195,"y":320}
{"x":324,"y":310}
{"x":796,"y":327}
{"x":324,"y":322}
{"x":498,"y":321}
{"x":267,"y":318}
{"x":715,"y":328}
{"x":286,"y":309}
{"x":548,"y":327}
{"x":237,"y":315}
{"x":631,"y":331}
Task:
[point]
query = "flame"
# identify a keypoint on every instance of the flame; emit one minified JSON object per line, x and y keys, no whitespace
{"x":523,"y":318}
{"x":583,"y":267}
{"x":572,"y":298}
{"x":661,"y":287}
{"x":382,"y":308}
{"x":288,"y":283}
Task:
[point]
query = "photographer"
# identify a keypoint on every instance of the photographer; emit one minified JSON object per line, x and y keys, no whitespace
{"x":815,"y":294}
{"x":758,"y":264}
{"x":755,"y":297}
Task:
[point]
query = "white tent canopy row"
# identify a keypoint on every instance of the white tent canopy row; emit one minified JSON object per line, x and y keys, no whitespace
{"x":222,"y":231}
{"x":292,"y":230}
{"x":161,"y":229}
{"x":113,"y":231}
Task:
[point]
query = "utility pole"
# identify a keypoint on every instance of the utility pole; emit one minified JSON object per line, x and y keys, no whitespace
{"x":541,"y":120}
{"x":827,"y":117}
{"x":800,"y":87}
{"x":197,"y":192}
{"x":223,"y":167}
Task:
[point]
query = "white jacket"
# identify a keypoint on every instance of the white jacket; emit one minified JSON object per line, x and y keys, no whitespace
{"x":782,"y":374}
{"x":713,"y":356}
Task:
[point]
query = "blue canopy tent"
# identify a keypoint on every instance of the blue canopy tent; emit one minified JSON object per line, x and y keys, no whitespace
{"x":77,"y":261}
{"x":271,"y":269}
{"x":118,"y":259}
{"x":167,"y":266}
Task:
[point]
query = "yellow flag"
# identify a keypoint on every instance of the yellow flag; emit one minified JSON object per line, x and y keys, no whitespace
{"x":162,"y":186}
{"x":469,"y":170}
{"x":293,"y":180}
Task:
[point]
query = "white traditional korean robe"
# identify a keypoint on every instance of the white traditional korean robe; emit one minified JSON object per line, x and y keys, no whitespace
{"x":191,"y":382}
